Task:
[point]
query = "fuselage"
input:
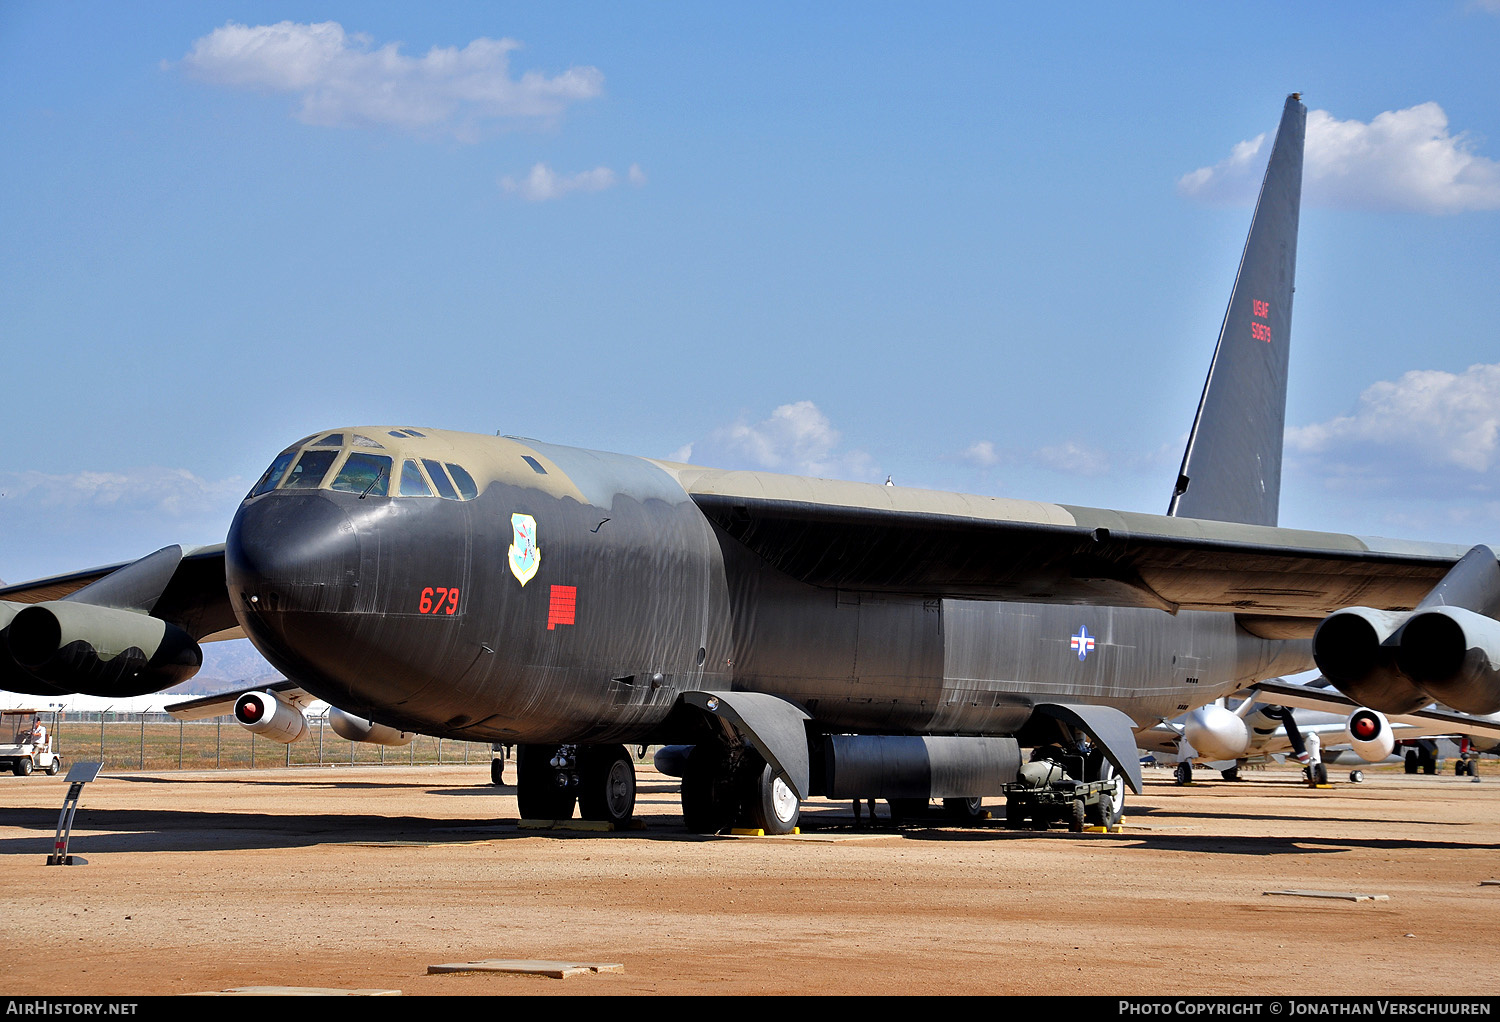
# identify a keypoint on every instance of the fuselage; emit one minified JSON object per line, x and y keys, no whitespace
{"x":509,"y":590}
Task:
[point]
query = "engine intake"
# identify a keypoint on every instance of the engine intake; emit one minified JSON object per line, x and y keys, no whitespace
{"x":1355,"y":650}
{"x":1370,"y":735}
{"x":100,"y":651}
{"x":268,"y":715}
{"x":1454,"y":655}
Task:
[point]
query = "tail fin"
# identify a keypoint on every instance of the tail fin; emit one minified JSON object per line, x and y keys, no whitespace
{"x":1231,"y":471}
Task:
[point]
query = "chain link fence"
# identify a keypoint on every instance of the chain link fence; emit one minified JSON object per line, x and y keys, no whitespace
{"x":155,"y":741}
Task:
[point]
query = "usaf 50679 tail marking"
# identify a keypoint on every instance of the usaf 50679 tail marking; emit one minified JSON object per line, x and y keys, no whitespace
{"x":785,"y":636}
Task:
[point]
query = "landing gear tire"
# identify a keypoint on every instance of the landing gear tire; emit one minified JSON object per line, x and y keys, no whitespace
{"x":770,"y":803}
{"x":1411,"y":761}
{"x":1427,"y":761}
{"x":1111,"y":805}
{"x":1318,"y":774}
{"x":23,"y":767}
{"x":1076,"y":817}
{"x":964,"y":810}
{"x":709,"y":801}
{"x":606,"y":784}
{"x":1357,"y":776}
{"x":538,"y":795}
{"x":497,"y":772}
{"x":1184,"y":772}
{"x":1232,"y":774}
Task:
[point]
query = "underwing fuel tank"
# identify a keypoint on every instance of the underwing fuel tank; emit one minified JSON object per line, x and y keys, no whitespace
{"x":361,"y":729}
{"x":100,"y":651}
{"x":1216,"y":733}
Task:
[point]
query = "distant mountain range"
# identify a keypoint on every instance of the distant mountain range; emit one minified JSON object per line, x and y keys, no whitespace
{"x":226,"y":666}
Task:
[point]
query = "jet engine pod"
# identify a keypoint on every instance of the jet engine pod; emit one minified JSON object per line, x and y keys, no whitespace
{"x":1454,"y":655}
{"x":360,"y":729}
{"x":1215,"y":733}
{"x":101,"y":651}
{"x":14,"y":677}
{"x":267,"y":715}
{"x":1370,"y":735}
{"x":1350,"y":649}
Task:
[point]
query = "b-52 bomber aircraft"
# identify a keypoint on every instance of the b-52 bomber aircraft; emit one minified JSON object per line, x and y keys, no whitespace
{"x":785,"y":636}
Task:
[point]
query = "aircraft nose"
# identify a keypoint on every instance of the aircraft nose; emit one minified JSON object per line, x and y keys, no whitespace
{"x":292,"y":553}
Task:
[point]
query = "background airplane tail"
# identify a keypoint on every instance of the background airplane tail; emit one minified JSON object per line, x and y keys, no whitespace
{"x":1231,"y":470}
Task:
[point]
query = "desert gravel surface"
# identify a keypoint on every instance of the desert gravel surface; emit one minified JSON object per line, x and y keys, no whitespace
{"x":362,"y":877}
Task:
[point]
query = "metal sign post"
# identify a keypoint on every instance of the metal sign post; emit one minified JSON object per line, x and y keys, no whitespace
{"x":79,"y":775}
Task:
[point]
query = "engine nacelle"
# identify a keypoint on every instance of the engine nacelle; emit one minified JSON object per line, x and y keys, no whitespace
{"x":1351,"y":649}
{"x":1370,"y":735}
{"x":268,"y":715}
{"x":361,"y":729}
{"x":1453,"y":655}
{"x":100,"y":651}
{"x":14,"y":677}
{"x":1216,"y":733}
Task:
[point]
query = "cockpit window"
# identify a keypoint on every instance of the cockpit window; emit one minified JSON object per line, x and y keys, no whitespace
{"x":360,"y":440}
{"x":272,"y":475}
{"x":464,"y":480}
{"x":331,"y":440}
{"x":412,"y":483}
{"x":365,"y":474}
{"x":309,"y":470}
{"x":440,"y":479}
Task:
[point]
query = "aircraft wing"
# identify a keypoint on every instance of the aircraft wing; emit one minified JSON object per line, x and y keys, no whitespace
{"x":1420,"y":724}
{"x":193,"y":596}
{"x":858,"y":536}
{"x":222,"y":704}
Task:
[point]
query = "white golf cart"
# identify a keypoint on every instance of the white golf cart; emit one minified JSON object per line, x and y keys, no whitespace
{"x":25,"y":743}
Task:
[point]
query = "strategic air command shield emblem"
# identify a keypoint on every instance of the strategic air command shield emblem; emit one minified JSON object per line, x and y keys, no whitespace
{"x":525,"y":558}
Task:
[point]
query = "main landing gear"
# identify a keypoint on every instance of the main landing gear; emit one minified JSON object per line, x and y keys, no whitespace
{"x":726,"y":786}
{"x":551,"y":778}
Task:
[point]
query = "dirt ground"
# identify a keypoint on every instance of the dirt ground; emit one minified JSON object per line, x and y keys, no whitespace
{"x":363,"y":877}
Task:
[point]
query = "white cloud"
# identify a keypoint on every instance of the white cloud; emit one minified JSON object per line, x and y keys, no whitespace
{"x":1068,"y":458}
{"x":171,"y":492}
{"x":56,"y":523}
{"x":1401,"y":160}
{"x":1073,"y":459}
{"x":544,"y":183}
{"x":796,"y":438}
{"x":342,"y":79}
{"x":981,"y":453}
{"x":1427,"y":421}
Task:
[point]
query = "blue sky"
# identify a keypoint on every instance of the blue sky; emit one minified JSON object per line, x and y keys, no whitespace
{"x":986,"y":248}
